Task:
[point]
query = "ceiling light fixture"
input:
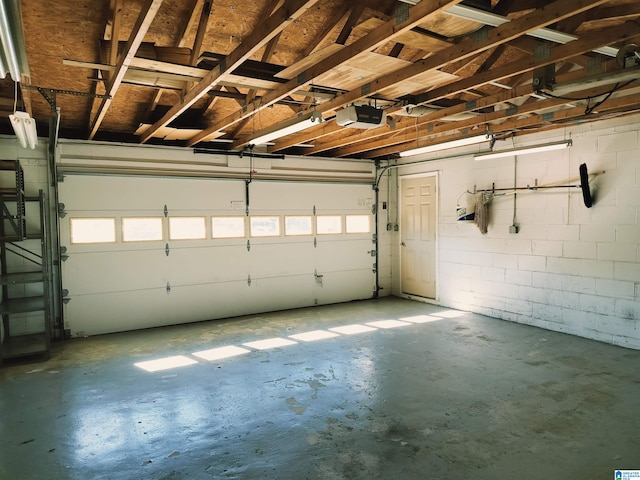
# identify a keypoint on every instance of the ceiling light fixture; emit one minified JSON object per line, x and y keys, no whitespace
{"x":494,"y":20}
{"x":287,"y":128}
{"x":461,"y":142}
{"x":25,"y":127}
{"x":525,"y":150}
{"x":13,"y":57}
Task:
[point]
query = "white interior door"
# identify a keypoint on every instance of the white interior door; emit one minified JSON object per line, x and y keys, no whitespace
{"x":123,"y":285}
{"x":418,"y":207}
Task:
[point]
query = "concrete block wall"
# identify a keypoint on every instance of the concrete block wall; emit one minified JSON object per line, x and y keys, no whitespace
{"x":570,"y":268}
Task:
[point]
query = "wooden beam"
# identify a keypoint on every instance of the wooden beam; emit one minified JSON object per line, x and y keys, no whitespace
{"x":194,"y":18}
{"x":559,"y":53}
{"x":371,"y":41}
{"x":466,"y":48}
{"x":259,"y":37}
{"x":202,"y":29}
{"x":354,"y":15}
{"x":115,"y":30}
{"x":515,"y":121}
{"x":148,"y":13}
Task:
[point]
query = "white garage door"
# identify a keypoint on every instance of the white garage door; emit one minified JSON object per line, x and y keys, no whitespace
{"x":145,"y":252}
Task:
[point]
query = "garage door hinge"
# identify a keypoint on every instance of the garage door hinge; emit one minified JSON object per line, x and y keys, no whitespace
{"x":166,"y":249}
{"x":375,"y":267}
{"x":168,"y":288}
{"x":315,"y":242}
{"x":372,"y":253}
{"x":374,"y":207}
{"x":166,"y":211}
{"x":314,"y":210}
{"x":63,"y":253}
{"x":249,"y":280}
{"x":248,"y":245}
{"x":61,"y":210}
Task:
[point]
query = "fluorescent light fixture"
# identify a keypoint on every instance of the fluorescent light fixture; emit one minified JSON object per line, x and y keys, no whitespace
{"x":523,"y":151}
{"x":494,"y":20}
{"x":287,"y":128}
{"x":13,"y":57}
{"x":593,"y":81}
{"x":461,"y":142}
{"x":25,"y":128}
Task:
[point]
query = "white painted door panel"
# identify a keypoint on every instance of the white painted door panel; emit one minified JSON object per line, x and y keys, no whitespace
{"x":131,"y":285}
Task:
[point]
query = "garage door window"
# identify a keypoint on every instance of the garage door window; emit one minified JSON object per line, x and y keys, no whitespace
{"x":358,"y":224}
{"x":227,"y":227}
{"x":187,"y":228}
{"x":142,"y":229}
{"x":297,"y":225}
{"x":93,"y":230}
{"x":329,"y":224}
{"x":265,"y":226}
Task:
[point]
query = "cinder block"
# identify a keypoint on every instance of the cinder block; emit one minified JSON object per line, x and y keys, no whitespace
{"x":613,"y":215}
{"x":615,"y":288}
{"x":534,"y":263}
{"x":618,"y":327}
{"x":629,"y":309}
{"x":627,"y":271}
{"x":573,"y":283}
{"x":547,"y":248}
{"x":627,"y":234}
{"x":628,"y":196}
{"x":563,"y":232}
{"x":578,"y":319}
{"x":549,"y":313}
{"x":624,"y":252}
{"x":618,"y":142}
{"x":517,"y":246}
{"x":563,"y":266}
{"x":547,"y":280}
{"x":579,"y":249}
{"x":597,"y":304}
{"x":504,"y":260}
{"x":493,"y":274}
{"x":597,"y":233}
{"x":518,"y":277}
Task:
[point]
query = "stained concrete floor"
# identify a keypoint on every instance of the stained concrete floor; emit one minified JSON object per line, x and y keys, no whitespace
{"x":445,"y":395}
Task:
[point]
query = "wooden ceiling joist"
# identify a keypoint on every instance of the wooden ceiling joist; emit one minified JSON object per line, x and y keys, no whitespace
{"x":259,"y":37}
{"x":466,"y":48}
{"x":371,"y":41}
{"x":148,"y":13}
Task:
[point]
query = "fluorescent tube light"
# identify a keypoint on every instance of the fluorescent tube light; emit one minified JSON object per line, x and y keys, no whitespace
{"x":12,"y":54}
{"x":25,"y":128}
{"x":287,"y":128}
{"x":525,"y":150}
{"x":461,"y":142}
{"x":494,"y":20}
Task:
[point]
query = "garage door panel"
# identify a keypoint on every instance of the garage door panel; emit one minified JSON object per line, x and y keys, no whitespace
{"x":116,"y":312}
{"x":130,"y":285}
{"x":98,"y":272}
{"x":208,"y":265}
{"x":331,"y":290}
{"x":281,"y":259}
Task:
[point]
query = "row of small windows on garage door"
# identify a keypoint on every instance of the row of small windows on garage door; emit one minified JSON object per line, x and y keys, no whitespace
{"x":149,"y":229}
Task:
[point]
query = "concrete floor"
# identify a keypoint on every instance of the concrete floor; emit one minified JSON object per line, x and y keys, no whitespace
{"x":445,"y":395}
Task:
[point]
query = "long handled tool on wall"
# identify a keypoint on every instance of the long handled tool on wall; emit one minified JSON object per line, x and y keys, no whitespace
{"x":566,"y":183}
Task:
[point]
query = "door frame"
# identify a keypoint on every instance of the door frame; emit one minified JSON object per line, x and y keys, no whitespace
{"x":401,"y":178}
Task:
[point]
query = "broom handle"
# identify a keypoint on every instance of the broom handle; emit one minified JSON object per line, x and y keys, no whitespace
{"x":511,"y":191}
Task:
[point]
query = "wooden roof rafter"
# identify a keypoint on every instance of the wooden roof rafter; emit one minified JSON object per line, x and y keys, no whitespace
{"x":148,"y":13}
{"x":258,"y":38}
{"x":371,"y":41}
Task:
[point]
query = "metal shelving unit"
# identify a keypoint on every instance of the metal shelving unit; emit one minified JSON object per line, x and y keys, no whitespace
{"x":24,"y":272}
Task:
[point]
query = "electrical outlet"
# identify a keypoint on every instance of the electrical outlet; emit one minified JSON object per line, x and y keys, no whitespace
{"x":514,"y":228}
